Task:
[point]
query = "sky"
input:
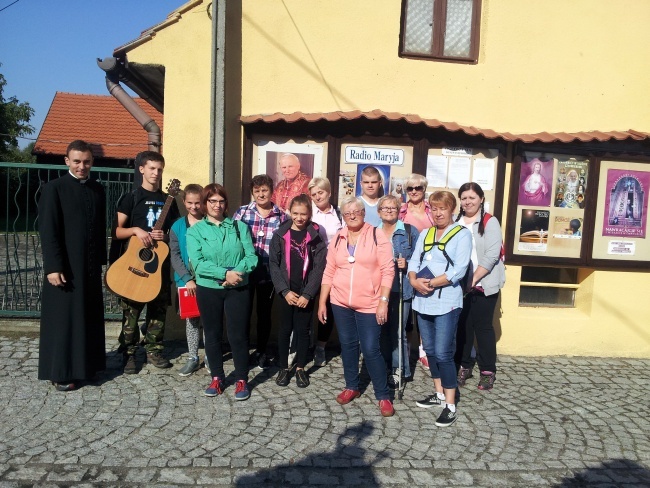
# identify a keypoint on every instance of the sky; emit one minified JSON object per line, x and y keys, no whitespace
{"x":52,"y":45}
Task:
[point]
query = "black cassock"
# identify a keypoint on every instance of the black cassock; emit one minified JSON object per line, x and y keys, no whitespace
{"x":72,"y":225}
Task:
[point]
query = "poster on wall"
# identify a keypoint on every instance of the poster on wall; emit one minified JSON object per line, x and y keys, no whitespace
{"x":383,"y":182}
{"x":393,"y":163}
{"x":533,"y":235}
{"x":621,"y":217}
{"x":567,"y":228}
{"x":571,"y":182}
{"x":448,"y":168}
{"x":626,"y":203}
{"x":291,"y":166}
{"x":535,"y":182}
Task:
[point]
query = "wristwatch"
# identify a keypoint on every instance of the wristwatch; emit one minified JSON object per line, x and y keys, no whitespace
{"x":383,"y":298}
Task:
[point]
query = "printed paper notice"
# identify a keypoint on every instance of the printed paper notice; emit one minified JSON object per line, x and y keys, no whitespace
{"x":624,"y":248}
{"x":437,"y":171}
{"x":483,"y":173}
{"x":459,"y":170}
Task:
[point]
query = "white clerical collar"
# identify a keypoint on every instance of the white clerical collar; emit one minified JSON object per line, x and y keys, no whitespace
{"x":78,"y":179}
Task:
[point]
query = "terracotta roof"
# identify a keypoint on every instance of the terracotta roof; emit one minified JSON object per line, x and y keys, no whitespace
{"x":450,"y":126}
{"x":98,"y":119}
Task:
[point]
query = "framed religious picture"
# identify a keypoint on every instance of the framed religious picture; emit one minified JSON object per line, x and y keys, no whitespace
{"x":551,"y":196}
{"x":290,"y":163}
{"x":621,"y":222}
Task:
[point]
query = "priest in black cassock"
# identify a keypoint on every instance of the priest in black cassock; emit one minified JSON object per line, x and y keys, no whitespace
{"x":72,"y":225}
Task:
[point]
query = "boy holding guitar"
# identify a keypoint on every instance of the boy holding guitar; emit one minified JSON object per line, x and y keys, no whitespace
{"x":137,"y":215}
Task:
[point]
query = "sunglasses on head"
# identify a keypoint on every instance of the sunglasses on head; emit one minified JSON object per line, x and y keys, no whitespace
{"x":415,"y":188}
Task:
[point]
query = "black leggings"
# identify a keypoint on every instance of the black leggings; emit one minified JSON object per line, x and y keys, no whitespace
{"x":476,"y":321}
{"x":265,"y":294}
{"x":213,"y":305}
{"x":297,"y":320}
{"x":325,"y":330}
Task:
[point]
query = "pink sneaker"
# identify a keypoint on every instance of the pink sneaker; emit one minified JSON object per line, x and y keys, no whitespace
{"x":346,"y":396}
{"x":386,"y":408}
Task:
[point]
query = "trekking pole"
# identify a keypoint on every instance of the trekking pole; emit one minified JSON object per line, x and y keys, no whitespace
{"x":400,"y":355}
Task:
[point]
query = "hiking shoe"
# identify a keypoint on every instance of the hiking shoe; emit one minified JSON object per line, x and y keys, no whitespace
{"x":207,"y":366}
{"x":130,"y":367}
{"x":302,"y":380}
{"x":156,"y":358}
{"x":386,"y":408}
{"x":424,"y":362}
{"x":319,"y":357}
{"x":191,"y":365}
{"x":430,"y":401}
{"x":241,"y":391}
{"x":463,"y":375}
{"x":346,"y":396}
{"x":447,"y":417}
{"x":283,"y":377}
{"x":487,"y":380}
{"x":393,"y":381}
{"x":215,"y":388}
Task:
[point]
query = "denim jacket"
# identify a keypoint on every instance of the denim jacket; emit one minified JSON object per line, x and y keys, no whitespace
{"x":401,"y":246}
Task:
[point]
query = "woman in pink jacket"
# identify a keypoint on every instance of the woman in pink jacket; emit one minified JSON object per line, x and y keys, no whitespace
{"x":358,"y":278}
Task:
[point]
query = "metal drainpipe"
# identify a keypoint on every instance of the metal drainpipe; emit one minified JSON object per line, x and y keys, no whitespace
{"x":110,"y":66}
{"x":217,"y":85}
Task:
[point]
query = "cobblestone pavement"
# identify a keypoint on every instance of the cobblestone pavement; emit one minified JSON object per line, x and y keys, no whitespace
{"x":548,"y":422}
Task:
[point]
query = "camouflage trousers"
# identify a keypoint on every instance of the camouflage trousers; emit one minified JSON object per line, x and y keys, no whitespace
{"x":154,"y":329}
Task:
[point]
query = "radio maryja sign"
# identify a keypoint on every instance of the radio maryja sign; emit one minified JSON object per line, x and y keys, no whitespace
{"x":374,"y":155}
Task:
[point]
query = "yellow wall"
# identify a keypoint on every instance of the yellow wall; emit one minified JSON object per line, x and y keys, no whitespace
{"x":544,"y":65}
{"x":184,"y":48}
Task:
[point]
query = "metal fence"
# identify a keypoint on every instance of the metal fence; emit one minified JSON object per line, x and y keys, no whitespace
{"x":21,"y":274}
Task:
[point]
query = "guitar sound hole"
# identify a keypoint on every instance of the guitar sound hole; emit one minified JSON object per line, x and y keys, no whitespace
{"x":146,"y":254}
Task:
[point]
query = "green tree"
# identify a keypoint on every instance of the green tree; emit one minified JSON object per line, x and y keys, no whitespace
{"x":14,"y":122}
{"x":17,"y":155}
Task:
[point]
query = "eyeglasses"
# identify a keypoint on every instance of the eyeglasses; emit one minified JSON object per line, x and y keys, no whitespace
{"x":353,"y":212}
{"x":216,"y":202}
{"x":388,"y":209}
{"x":414,"y":188}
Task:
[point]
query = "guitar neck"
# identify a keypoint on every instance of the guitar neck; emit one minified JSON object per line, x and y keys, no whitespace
{"x":163,"y":214}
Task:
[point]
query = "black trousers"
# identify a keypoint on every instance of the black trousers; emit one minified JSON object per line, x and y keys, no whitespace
{"x":325,"y":330}
{"x":265,"y":294}
{"x":476,"y":322}
{"x":213,"y":305}
{"x":298,"y":321}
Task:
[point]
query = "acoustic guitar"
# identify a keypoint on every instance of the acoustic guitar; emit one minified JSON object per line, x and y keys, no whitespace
{"x":136,"y":275}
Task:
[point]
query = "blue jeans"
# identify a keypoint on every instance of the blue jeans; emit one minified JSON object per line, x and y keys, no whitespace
{"x":356,"y":330}
{"x":438,"y":334}
{"x":390,"y":336}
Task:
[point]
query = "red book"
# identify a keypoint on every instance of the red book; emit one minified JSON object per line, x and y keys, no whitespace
{"x":187,"y":306}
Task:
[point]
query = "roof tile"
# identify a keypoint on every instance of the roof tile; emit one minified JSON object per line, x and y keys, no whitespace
{"x":98,"y":119}
{"x":547,"y":137}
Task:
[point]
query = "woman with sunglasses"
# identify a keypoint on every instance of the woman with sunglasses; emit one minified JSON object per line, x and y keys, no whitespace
{"x":221,"y":252}
{"x":358,"y":276}
{"x":417,"y":212}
